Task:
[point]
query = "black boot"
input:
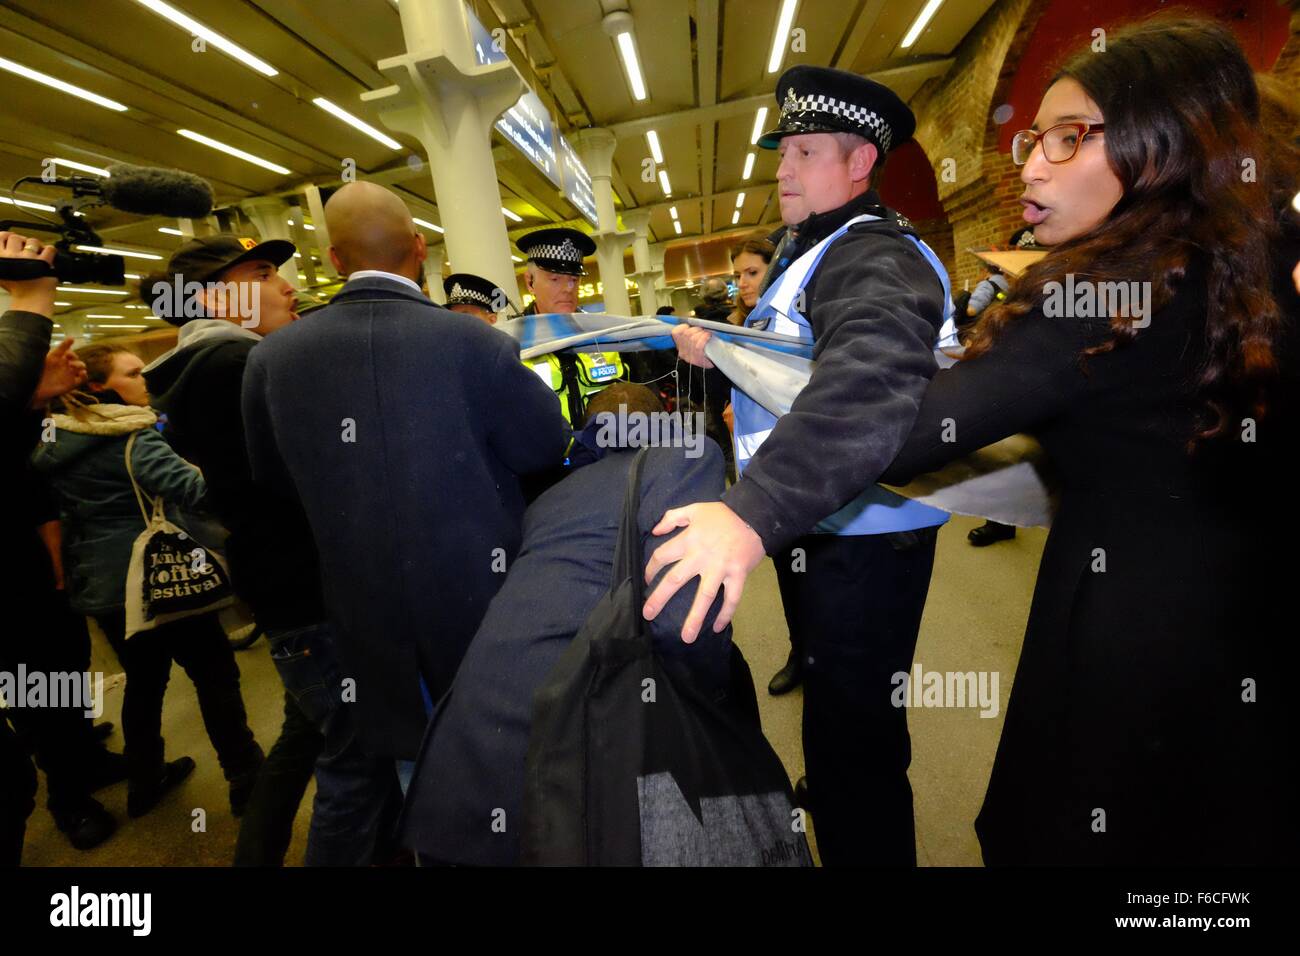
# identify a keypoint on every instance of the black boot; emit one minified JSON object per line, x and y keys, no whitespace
{"x":87,"y":825}
{"x":143,"y":797}
{"x":990,"y":532}
{"x":788,"y":677}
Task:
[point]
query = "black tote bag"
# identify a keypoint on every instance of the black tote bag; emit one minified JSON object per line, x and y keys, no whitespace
{"x":630,"y":763}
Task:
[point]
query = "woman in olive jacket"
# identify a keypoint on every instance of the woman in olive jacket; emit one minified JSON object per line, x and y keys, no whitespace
{"x":101,"y":518}
{"x":1149,"y":721}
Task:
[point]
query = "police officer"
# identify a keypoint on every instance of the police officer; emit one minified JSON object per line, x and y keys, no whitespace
{"x":474,"y":295}
{"x":853,"y":278}
{"x":551,"y":275}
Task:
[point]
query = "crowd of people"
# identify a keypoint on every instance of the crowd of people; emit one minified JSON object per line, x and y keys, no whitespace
{"x":420,"y":554}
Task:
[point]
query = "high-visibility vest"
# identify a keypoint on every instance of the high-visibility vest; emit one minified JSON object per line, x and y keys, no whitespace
{"x":576,"y":377}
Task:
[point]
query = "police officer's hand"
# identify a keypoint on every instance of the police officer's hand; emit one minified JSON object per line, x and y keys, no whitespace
{"x":718,"y":547}
{"x":690,"y":343}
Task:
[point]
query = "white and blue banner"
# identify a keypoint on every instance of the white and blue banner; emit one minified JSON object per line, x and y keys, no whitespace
{"x":1005,"y":482}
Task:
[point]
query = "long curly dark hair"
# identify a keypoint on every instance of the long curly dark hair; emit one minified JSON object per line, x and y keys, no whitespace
{"x":1184,"y":131}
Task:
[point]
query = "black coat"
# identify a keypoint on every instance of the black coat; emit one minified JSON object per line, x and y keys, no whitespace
{"x":1159,"y":593}
{"x":402,"y":427}
{"x":472,"y":760}
{"x":875,"y":306}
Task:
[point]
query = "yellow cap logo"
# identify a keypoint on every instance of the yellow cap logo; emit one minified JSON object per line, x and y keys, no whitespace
{"x":247,"y":243}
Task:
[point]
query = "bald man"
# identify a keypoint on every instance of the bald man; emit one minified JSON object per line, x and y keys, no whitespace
{"x":382,"y":410}
{"x":372,"y":235}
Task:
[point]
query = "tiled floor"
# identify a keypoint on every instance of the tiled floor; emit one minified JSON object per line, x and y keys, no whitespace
{"x":974,"y":621}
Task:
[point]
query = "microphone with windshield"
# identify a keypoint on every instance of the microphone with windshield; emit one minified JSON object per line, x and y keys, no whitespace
{"x":143,"y":190}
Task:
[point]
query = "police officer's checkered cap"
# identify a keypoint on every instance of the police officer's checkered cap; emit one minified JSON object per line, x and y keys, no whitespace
{"x":814,"y":106}
{"x":564,"y":251}
{"x":460,"y":294}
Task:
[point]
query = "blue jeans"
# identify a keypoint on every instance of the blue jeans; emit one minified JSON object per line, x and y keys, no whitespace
{"x":357,"y":795}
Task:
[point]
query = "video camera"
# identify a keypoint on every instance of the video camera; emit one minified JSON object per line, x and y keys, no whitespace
{"x":143,"y":190}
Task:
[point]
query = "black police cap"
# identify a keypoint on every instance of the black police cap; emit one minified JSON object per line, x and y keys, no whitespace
{"x":817,"y":99}
{"x":465,"y":288}
{"x":558,"y":250}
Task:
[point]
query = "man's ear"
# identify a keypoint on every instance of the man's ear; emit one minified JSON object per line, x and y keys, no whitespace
{"x":421,"y":247}
{"x":338,"y":263}
{"x":862,"y":161}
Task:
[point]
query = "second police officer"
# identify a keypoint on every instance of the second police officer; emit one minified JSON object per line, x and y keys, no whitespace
{"x":554,"y":267}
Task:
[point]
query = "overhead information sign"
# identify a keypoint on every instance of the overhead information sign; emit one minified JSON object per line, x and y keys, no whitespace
{"x":529,"y":128}
{"x":575,"y":181}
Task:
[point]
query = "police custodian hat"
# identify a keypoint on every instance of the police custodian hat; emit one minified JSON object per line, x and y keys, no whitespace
{"x":465,"y":288}
{"x":817,"y":99}
{"x":558,"y":250}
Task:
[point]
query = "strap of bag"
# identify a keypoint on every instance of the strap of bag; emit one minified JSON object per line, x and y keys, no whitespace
{"x":130,"y":473}
{"x":627,"y":554}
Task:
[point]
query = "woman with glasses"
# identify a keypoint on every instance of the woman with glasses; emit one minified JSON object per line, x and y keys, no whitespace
{"x":1150,"y":720}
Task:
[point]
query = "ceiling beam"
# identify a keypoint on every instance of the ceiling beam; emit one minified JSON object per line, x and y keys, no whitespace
{"x":706,"y":61}
{"x":918,"y":71}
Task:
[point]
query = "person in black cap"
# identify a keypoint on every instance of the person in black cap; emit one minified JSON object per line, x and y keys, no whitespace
{"x":554,"y":267}
{"x":852,"y":277}
{"x":474,"y":295}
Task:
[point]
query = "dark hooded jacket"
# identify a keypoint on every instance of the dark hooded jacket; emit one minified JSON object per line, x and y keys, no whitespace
{"x":272,"y":556}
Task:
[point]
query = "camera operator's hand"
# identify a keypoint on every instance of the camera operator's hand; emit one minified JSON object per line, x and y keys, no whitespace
{"x":29,"y":295}
{"x":62,"y":373}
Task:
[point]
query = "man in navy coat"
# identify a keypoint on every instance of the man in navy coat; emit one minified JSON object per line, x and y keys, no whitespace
{"x":464,"y":806}
{"x":403,"y":428}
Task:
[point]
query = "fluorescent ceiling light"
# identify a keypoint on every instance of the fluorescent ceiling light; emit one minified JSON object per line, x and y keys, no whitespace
{"x":782,"y":35}
{"x":25,"y":204}
{"x":58,"y":84}
{"x":95,"y":170}
{"x":119,"y":252}
{"x":740,"y":200}
{"x":511,"y":215}
{"x":427,"y":225}
{"x":194,"y":28}
{"x":237,"y":153}
{"x":62,"y":303}
{"x":74,"y":288}
{"x":137,"y":307}
{"x":922,"y":19}
{"x":99,"y":315}
{"x":297,"y":255}
{"x":678,"y":226}
{"x":735,"y":217}
{"x":109,"y":326}
{"x":516,"y":258}
{"x":652,"y":138}
{"x":672,"y":211}
{"x":749,"y":167}
{"x":309,"y":227}
{"x":760,"y":120}
{"x":631,"y":65}
{"x":170,"y":231}
{"x":663,"y":181}
{"x":357,"y":122}
{"x":131,"y":275}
